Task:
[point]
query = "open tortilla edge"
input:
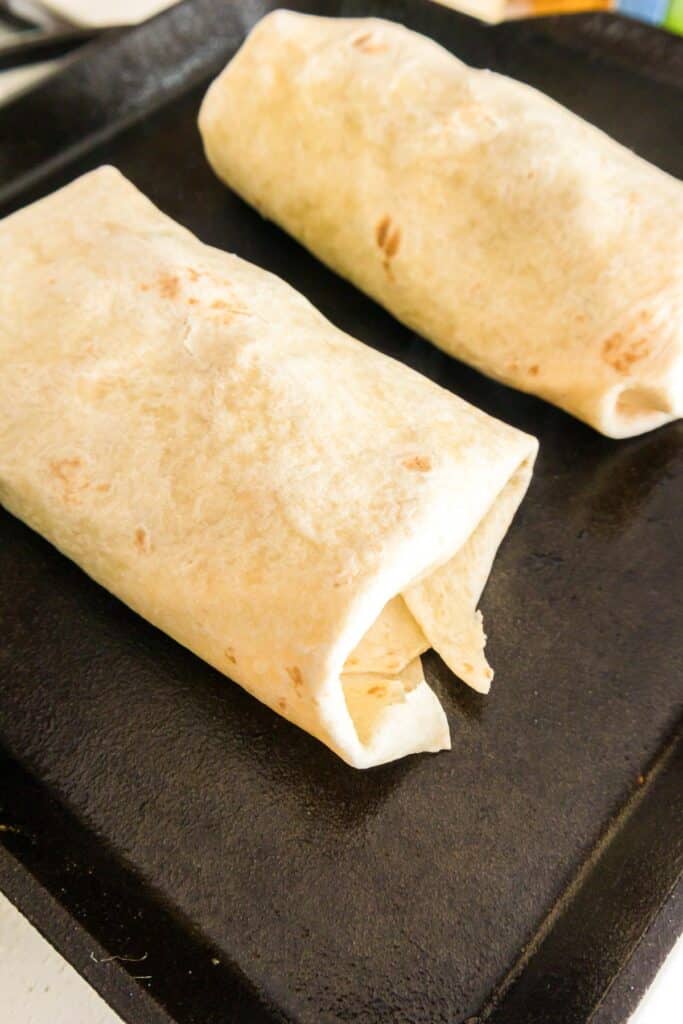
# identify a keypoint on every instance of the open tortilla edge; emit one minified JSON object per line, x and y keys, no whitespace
{"x":407,"y":717}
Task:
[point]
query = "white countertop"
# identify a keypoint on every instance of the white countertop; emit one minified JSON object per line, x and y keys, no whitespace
{"x":39,"y":987}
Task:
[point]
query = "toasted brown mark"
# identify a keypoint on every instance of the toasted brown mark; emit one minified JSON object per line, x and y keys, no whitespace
{"x":468,"y":668}
{"x":388,"y":238}
{"x":230,"y":655}
{"x":103,"y":488}
{"x":65,"y":471}
{"x":63,"y":468}
{"x":420,"y":463}
{"x":367,"y":43}
{"x":377,"y":691}
{"x":392,"y":243}
{"x":282,"y":704}
{"x":360,"y":41}
{"x":533,"y":370}
{"x":141,"y":539}
{"x":382,"y":230}
{"x":294,"y":674}
{"x":229,"y":312}
{"x":488,"y":672}
{"x":622,"y":352}
{"x":169,"y":285}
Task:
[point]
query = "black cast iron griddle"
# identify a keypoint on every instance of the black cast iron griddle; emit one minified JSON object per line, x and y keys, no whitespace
{"x":153,"y":811}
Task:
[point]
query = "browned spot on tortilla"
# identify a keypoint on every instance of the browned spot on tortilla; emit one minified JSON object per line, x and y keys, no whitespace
{"x":378,"y":691}
{"x":368,"y":44}
{"x":192,"y":302}
{"x":382,"y":230}
{"x":488,"y":672}
{"x":388,"y":238}
{"x":144,"y":287}
{"x":580,"y":318}
{"x":103,"y":488}
{"x":294,"y":674}
{"x":622,"y":352}
{"x":468,"y":668}
{"x":219,"y":304}
{"x":192,"y":274}
{"x":359,"y":40}
{"x":392,"y":243}
{"x":230,"y":655}
{"x":169,"y":285}
{"x":421,"y":463}
{"x":352,"y":661}
{"x":66,"y":472}
{"x":282,"y":704}
{"x":63,"y":466}
{"x":141,"y":539}
{"x":533,"y":370}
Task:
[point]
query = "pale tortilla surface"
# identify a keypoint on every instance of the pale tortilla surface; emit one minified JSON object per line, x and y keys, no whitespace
{"x":302,"y":512}
{"x":484,"y":215}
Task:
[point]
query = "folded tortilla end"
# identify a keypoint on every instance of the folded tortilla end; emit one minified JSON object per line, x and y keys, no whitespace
{"x":388,"y":724}
{"x":636,"y":407}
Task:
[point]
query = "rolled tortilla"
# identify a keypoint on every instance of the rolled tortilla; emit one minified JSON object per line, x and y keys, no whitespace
{"x":302,"y":512}
{"x":482,"y":214}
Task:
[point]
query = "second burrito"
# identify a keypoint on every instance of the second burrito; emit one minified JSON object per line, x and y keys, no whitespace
{"x":479,"y":212}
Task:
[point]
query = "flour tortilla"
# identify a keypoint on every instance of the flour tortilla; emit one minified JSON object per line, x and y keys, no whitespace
{"x":302,"y":512}
{"x":482,"y":214}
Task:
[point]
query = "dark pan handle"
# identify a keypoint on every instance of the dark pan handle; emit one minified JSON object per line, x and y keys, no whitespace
{"x":35,"y":45}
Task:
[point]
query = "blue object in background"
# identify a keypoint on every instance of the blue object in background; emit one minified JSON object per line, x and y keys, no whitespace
{"x":652,"y":11}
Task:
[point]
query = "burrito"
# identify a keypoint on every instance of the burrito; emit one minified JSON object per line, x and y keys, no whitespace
{"x":479,"y":212}
{"x":302,"y":512}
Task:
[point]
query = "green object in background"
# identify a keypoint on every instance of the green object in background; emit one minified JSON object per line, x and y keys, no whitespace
{"x":667,"y":14}
{"x":674,"y":17}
